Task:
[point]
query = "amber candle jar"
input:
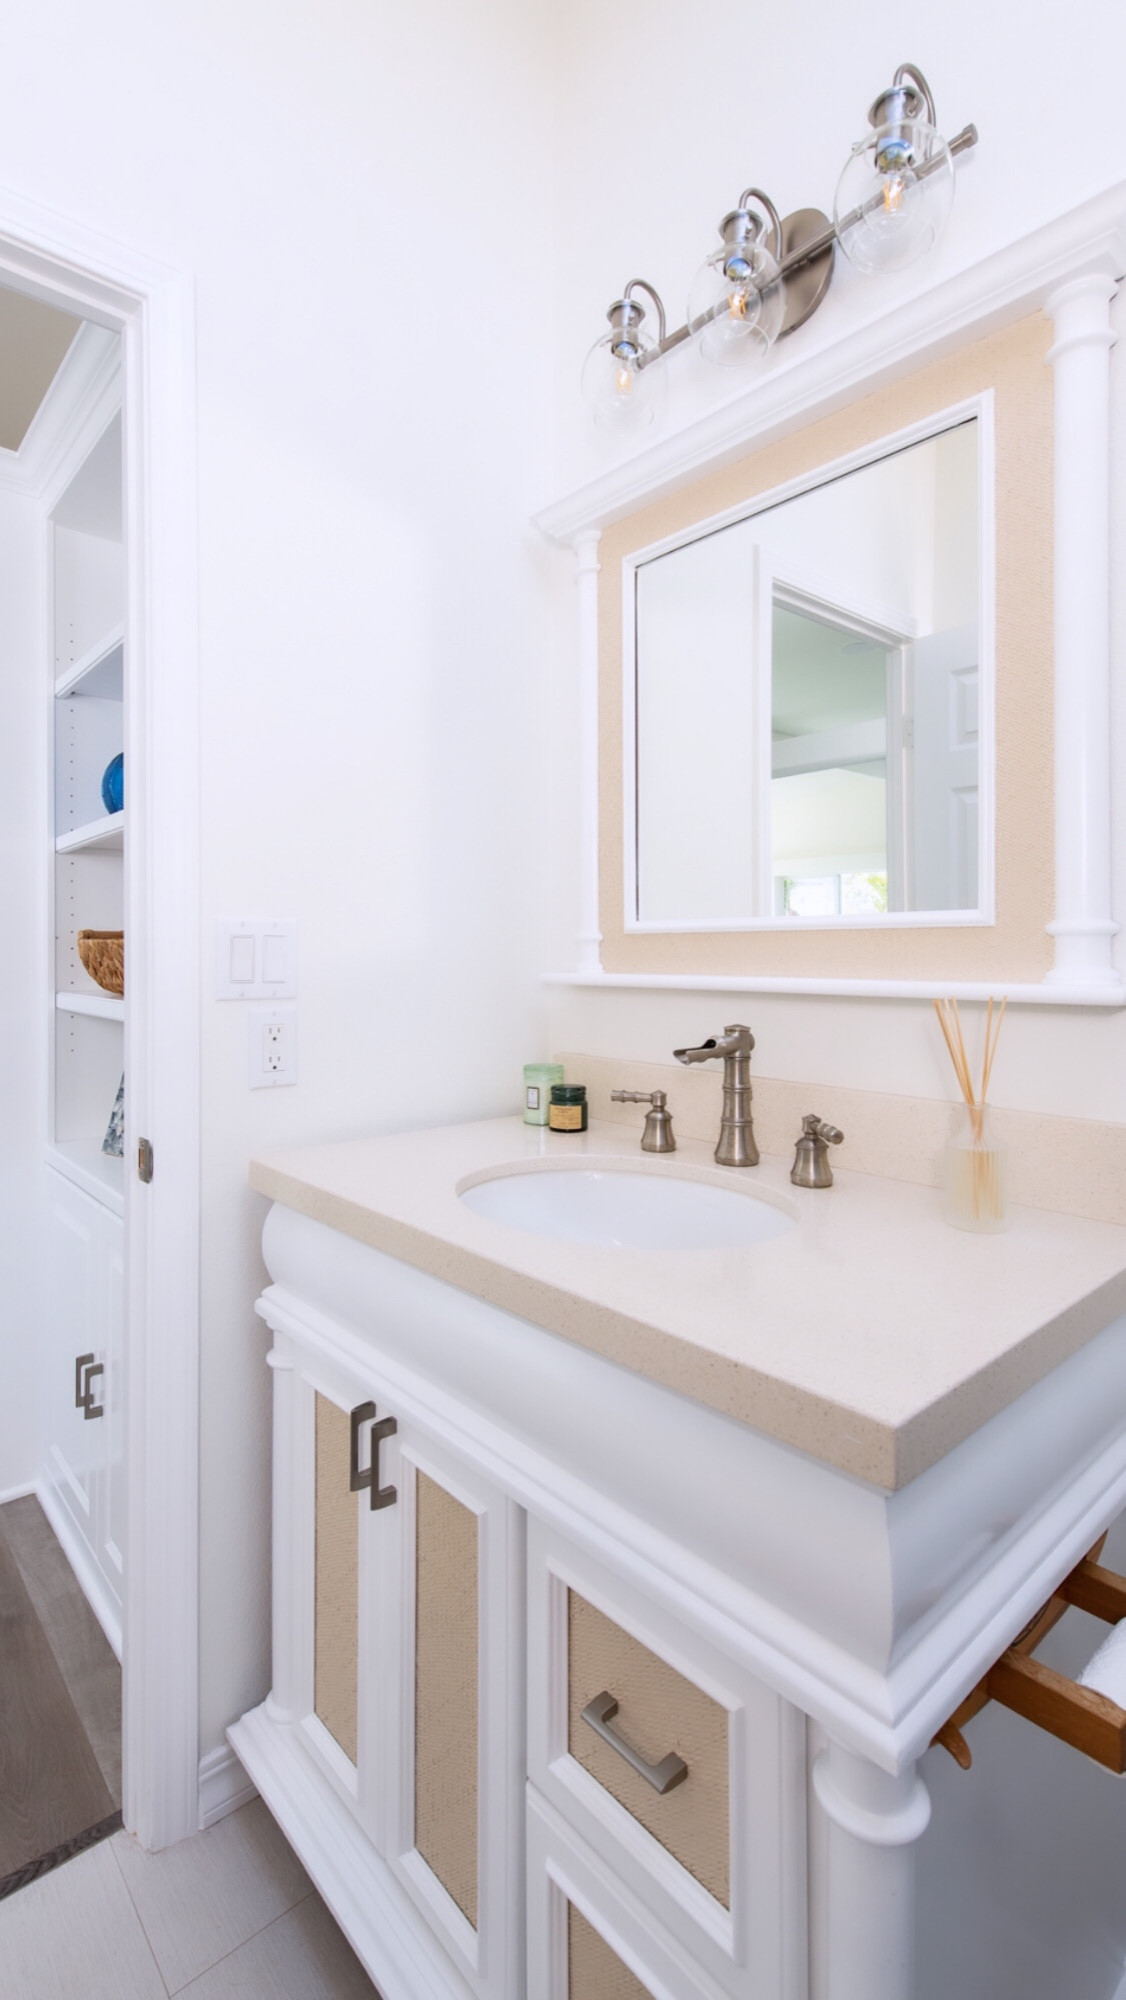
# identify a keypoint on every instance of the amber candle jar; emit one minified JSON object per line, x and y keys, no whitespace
{"x":567,"y":1111}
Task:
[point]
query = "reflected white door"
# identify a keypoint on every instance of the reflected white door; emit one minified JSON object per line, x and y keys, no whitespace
{"x":946,"y":770}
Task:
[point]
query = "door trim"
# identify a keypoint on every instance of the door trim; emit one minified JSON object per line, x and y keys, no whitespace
{"x":151,"y":307}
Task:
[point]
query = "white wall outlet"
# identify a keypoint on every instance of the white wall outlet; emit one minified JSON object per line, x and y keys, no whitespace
{"x":255,"y":958}
{"x":273,"y":1046}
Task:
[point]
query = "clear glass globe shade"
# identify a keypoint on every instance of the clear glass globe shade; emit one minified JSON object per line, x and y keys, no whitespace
{"x":742,"y":317}
{"x":621,"y":396}
{"x":888,"y":216}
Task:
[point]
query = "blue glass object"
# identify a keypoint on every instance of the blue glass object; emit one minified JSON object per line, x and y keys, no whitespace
{"x":113,"y":783}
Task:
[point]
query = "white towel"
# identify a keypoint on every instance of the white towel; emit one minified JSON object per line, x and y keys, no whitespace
{"x":1105,"y":1671}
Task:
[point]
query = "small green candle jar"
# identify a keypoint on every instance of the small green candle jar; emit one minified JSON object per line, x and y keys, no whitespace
{"x":538,"y":1079}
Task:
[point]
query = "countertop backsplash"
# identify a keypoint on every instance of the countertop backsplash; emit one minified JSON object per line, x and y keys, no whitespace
{"x":1076,"y":1166}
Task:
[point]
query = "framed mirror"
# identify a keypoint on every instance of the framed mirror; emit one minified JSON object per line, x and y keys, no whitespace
{"x":783,"y":785}
{"x":808,"y":699}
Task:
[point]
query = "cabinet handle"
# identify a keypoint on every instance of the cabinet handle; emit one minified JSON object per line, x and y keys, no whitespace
{"x":380,"y":1496}
{"x":86,"y":1372}
{"x":664,"y":1777}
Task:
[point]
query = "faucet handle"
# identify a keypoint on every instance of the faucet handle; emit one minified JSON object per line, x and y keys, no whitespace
{"x":658,"y":1135}
{"x":811,"y":1167}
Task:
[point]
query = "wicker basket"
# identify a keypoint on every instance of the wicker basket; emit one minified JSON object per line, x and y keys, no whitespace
{"x":103,"y":955}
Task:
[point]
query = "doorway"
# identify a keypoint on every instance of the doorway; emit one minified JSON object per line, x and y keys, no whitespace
{"x":128,"y":400}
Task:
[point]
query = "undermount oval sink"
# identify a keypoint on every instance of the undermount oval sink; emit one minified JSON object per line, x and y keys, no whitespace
{"x":627,"y":1211}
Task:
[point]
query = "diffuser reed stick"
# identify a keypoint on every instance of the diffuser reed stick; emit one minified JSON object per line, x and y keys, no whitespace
{"x":974,"y":1171}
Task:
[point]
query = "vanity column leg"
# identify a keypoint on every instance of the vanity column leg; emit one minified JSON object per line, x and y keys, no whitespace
{"x":869,"y":1898}
{"x":282,"y":1700}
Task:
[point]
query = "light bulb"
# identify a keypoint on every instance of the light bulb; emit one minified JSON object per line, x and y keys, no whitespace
{"x":894,"y":196}
{"x":622,"y":393}
{"x":736,"y":300}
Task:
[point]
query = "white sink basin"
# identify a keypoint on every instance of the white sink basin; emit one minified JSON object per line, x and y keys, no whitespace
{"x":627,"y":1211}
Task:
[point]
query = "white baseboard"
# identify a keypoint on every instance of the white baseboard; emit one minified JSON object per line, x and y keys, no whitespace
{"x":17,"y":1493}
{"x":78,"y":1555}
{"x":223,"y":1785}
{"x":389,"y":1936}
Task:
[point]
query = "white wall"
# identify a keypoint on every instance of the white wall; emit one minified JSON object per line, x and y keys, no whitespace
{"x":23,"y":932}
{"x":718,"y":98}
{"x":354,"y":188}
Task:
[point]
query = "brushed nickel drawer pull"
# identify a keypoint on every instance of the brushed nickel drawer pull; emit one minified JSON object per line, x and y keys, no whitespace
{"x":86,"y":1373}
{"x":361,"y":1415}
{"x":359,"y":1481}
{"x":664,"y":1777}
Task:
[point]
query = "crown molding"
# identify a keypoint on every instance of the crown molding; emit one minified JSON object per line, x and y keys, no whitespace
{"x":88,"y":369}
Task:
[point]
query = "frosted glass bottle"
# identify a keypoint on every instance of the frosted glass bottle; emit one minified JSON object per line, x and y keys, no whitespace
{"x":974,"y":1173}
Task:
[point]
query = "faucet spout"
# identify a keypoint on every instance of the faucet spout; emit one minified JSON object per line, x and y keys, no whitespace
{"x":736,"y":1146}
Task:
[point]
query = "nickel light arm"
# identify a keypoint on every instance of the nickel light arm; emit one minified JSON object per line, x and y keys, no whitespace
{"x":769,"y":275}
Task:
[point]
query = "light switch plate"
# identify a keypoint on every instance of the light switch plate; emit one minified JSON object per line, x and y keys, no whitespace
{"x":272,"y":1047}
{"x":255,"y":958}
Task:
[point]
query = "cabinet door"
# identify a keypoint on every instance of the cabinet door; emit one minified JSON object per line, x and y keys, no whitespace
{"x":446,"y":1646}
{"x":318,"y":1576}
{"x":84,"y":1390}
{"x":76,"y":1327}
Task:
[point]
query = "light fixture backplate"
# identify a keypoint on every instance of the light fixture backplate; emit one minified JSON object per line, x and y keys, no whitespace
{"x":806,"y":287}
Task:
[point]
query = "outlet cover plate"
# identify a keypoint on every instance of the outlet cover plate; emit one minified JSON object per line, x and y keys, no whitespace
{"x":272,"y":1047}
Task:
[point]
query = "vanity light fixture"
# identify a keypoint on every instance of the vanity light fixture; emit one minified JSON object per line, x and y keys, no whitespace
{"x":768,"y":275}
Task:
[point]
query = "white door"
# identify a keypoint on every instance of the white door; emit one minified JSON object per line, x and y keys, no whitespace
{"x":946,"y":770}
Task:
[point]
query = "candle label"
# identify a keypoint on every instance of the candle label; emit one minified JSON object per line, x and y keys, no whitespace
{"x":566,"y":1117}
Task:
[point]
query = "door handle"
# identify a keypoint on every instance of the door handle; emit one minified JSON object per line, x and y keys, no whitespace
{"x":86,"y":1372}
{"x":367,"y":1477}
{"x":664,"y":1777}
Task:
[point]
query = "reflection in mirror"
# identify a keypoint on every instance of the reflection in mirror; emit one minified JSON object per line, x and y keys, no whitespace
{"x":807,"y":703}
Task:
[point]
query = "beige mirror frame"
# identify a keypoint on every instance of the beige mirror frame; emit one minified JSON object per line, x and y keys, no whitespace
{"x":1026,"y":337}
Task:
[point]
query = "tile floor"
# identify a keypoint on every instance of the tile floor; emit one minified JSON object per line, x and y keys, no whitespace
{"x":229,"y":1915}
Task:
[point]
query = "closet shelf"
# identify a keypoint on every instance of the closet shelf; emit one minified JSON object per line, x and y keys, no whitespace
{"x":100,"y":671}
{"x":96,"y":1173}
{"x":107,"y":834}
{"x":103,"y":1006}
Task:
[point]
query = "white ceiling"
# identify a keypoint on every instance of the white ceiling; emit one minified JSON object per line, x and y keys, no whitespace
{"x":33,"y":340}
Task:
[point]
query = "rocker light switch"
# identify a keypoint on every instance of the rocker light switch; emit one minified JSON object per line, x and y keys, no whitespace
{"x":255,"y":958}
{"x":242,"y":960}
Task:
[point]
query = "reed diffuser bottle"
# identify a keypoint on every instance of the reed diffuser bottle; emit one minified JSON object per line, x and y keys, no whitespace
{"x":974,"y":1165}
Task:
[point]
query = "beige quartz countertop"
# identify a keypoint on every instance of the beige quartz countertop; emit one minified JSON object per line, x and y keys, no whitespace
{"x":872,"y":1336}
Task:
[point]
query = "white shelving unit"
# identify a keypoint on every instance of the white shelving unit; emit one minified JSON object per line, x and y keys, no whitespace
{"x":82,"y":1487}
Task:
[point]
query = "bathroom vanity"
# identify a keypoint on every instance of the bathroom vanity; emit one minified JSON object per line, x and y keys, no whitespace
{"x":637,"y":1524}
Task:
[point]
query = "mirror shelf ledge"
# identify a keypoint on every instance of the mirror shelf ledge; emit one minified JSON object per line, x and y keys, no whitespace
{"x":1111,"y":993}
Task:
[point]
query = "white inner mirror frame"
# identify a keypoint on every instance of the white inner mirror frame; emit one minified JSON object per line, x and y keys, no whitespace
{"x":1069,"y":268}
{"x":733,"y":819}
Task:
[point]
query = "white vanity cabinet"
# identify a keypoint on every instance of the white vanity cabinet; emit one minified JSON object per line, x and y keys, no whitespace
{"x":620,"y":1694}
{"x":423,"y":1744}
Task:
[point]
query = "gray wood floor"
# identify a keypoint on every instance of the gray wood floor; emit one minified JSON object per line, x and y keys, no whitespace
{"x":60,"y":1699}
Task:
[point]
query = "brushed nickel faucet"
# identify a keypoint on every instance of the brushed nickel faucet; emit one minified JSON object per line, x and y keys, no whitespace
{"x":658,"y":1134}
{"x":811,"y":1167}
{"x":736,"y":1145}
